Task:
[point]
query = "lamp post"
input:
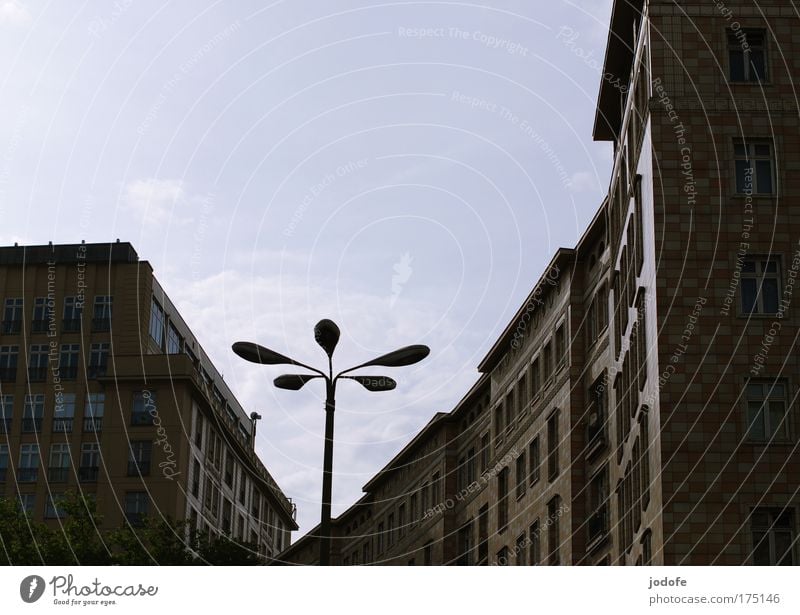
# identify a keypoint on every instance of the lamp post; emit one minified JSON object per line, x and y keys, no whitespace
{"x":327,"y":333}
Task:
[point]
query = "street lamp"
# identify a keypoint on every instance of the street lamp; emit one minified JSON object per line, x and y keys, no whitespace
{"x":327,"y":333}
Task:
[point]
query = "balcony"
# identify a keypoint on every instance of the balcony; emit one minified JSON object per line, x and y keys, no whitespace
{"x":10,"y":327}
{"x":27,"y":475}
{"x":57,"y":475}
{"x":38,"y":326}
{"x":5,"y":425}
{"x":37,"y":374}
{"x":597,"y":526}
{"x":101,"y":324}
{"x":71,"y":325}
{"x":8,"y":374}
{"x":32,"y":425}
{"x":62,"y":425}
{"x":88,"y":474}
{"x":93,"y":424}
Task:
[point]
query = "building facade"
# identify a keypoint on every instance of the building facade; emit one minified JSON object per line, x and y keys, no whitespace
{"x":104,"y":390}
{"x":641,"y":406}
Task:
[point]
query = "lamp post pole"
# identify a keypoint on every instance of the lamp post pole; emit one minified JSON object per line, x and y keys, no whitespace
{"x":327,"y":335}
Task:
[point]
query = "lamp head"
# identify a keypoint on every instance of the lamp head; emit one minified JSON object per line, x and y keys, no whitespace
{"x":327,"y":333}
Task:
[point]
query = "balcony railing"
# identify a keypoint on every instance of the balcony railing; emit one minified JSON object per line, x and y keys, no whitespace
{"x":71,"y":325}
{"x":88,"y":474}
{"x":101,"y":324}
{"x":62,"y":425}
{"x":93,"y":423}
{"x":11,"y":326}
{"x":8,"y":374}
{"x":57,"y":475}
{"x":32,"y":425}
{"x":597,"y":525}
{"x":27,"y":475}
{"x":38,"y":326}
{"x":37,"y":374}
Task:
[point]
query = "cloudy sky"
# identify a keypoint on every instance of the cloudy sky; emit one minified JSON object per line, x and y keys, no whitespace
{"x":405,"y":168}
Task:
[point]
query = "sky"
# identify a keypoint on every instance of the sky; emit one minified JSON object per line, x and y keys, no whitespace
{"x":404,"y":168}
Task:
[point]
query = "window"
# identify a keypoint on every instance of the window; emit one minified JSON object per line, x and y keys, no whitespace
{"x":553,"y":540}
{"x":27,"y":501}
{"x":766,"y":410}
{"x":39,"y":320}
{"x":547,"y":367}
{"x":144,"y":408}
{"x":98,"y":360}
{"x":32,"y":414}
{"x":380,"y":537}
{"x":502,"y":557}
{"x":534,"y":461}
{"x":196,"y":477}
{"x":502,"y":499}
{"x":519,"y":550}
{"x":521,"y":475}
{"x":28,"y":463}
{"x":64,"y":413}
{"x":227,"y":520}
{"x":465,"y":545}
{"x":754,"y":167}
{"x":90,"y":462}
{"x":760,"y":285}
{"x":534,"y":554}
{"x":436,"y":497}
{"x":640,"y":343}
{"x":68,"y":361}
{"x":424,"y":499}
{"x":101,"y":319}
{"x":12,"y":316}
{"x":552,"y":445}
{"x":484,"y":452}
{"x":73,"y":312}
{"x":647,"y":548}
{"x":390,"y":529}
{"x":157,"y":323}
{"x":242,"y":487}
{"x":427,"y":554}
{"x":773,"y":537}
{"x":401,"y":520}
{"x":174,"y":340}
{"x":6,"y":413}
{"x":412,"y":505}
{"x":522,"y":395}
{"x":644,"y":435}
{"x":93,"y":412}
{"x":747,"y":56}
{"x":229,"y":470}
{"x":597,"y":505}
{"x":37,"y":363}
{"x":139,"y":456}
{"x":52,"y":510}
{"x":3,"y":462}
{"x":136,"y":507}
{"x":509,"y":406}
{"x":198,"y":431}
{"x":561,"y":345}
{"x":596,"y":423}
{"x":536,"y":378}
{"x":499,"y":421}
{"x":9,"y":356}
{"x":483,"y":535}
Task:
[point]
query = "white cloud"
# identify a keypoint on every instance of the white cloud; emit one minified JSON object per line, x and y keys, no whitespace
{"x":13,"y":14}
{"x":155,"y":200}
{"x":584,"y":181}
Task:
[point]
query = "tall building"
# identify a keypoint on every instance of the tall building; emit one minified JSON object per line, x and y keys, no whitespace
{"x":641,"y":406}
{"x":105,"y":390}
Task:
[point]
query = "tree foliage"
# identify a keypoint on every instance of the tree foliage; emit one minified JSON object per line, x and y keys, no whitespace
{"x":79,"y":538}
